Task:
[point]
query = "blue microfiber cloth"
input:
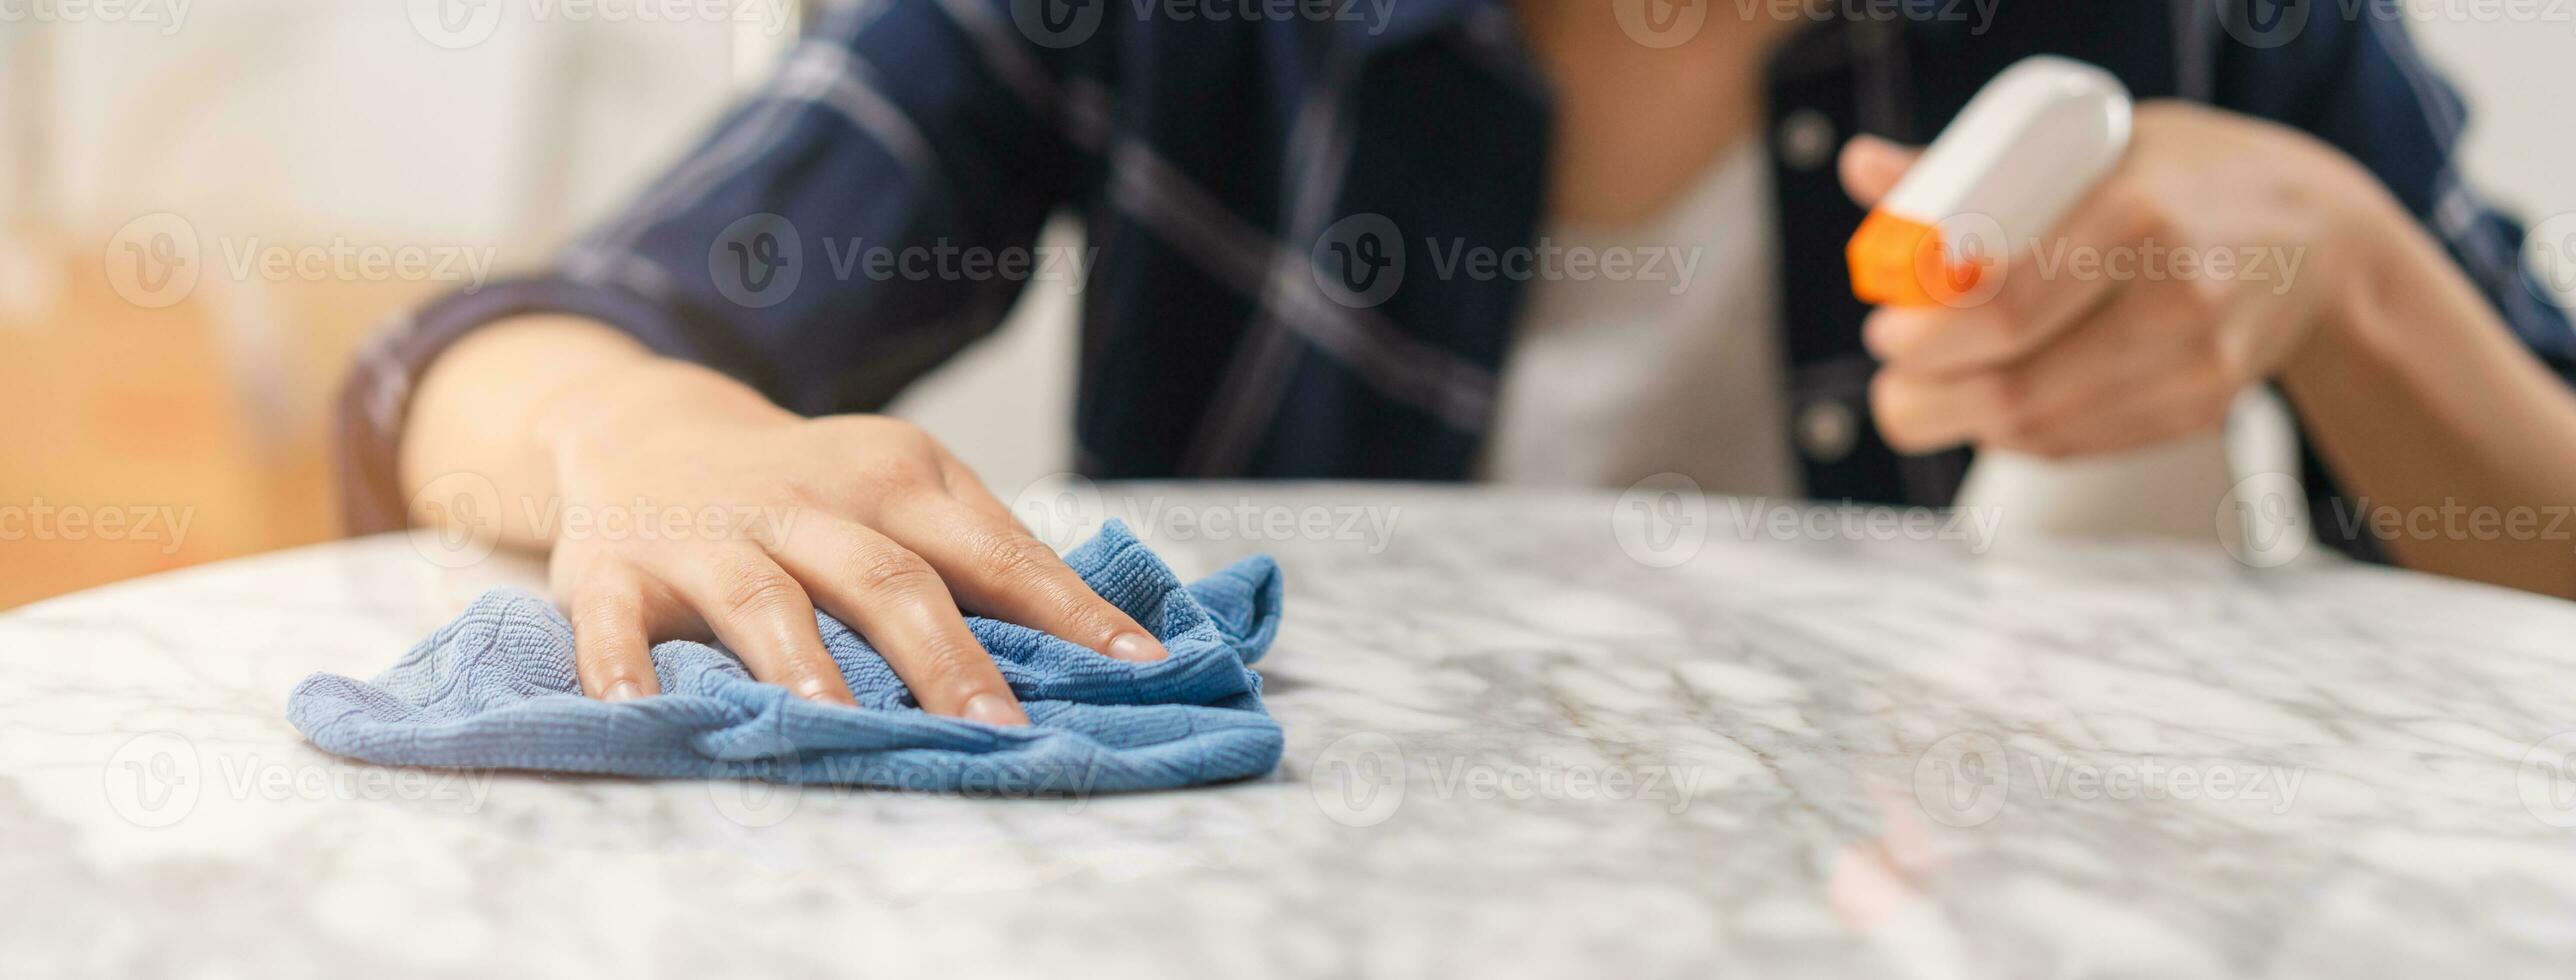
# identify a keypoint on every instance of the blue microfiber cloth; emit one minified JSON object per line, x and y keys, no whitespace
{"x":496,"y":689}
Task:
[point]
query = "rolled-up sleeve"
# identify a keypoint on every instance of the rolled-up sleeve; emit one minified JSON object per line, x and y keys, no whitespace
{"x":844,"y":228}
{"x":2351,"y":75}
{"x":2387,"y":108}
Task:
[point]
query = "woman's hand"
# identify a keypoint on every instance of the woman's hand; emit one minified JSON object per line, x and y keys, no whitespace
{"x":2201,"y":265}
{"x":866,"y":517}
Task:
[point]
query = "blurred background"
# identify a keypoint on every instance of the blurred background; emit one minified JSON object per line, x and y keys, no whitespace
{"x":204,"y":208}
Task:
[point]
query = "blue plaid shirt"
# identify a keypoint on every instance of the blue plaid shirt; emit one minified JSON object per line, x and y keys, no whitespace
{"x":1251,"y":183}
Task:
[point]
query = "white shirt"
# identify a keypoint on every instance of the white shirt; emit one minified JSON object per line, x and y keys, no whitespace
{"x":1671,"y":364}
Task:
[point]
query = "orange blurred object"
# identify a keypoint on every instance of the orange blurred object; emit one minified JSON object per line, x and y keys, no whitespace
{"x":1898,"y":261}
{"x":136,"y":439}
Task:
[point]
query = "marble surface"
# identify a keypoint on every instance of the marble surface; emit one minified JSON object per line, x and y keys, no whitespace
{"x":1529,"y":734}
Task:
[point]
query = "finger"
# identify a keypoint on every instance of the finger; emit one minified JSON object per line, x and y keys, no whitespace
{"x":2135,"y":374}
{"x":2141,"y":336}
{"x":2093,"y":369}
{"x":1922,"y":413}
{"x":2163,"y":410}
{"x":612,"y":652}
{"x":1941,"y":339}
{"x":1894,"y":334}
{"x":994,"y":566}
{"x":893,"y":598}
{"x":2113,"y":351}
{"x":1871,"y":166}
{"x":2041,"y":295}
{"x":762,"y":615}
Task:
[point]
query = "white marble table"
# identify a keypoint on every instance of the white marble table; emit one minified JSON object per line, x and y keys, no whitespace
{"x":1528,"y":735}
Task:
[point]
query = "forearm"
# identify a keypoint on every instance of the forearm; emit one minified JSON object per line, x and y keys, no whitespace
{"x":2456,"y":446}
{"x":488,"y":409}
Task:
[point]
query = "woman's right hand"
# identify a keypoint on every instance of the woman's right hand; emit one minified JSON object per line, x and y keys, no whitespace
{"x":866,"y":517}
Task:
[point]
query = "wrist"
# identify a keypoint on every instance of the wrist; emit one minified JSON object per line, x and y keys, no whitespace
{"x":2380,"y":258}
{"x":644,"y":394}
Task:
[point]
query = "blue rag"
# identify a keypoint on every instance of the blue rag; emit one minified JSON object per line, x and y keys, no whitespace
{"x":496,"y":689}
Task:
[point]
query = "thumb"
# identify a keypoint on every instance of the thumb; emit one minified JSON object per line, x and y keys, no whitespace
{"x":1871,"y":167}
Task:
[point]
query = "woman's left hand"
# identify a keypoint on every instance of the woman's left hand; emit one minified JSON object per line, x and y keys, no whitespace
{"x":2199,"y":266}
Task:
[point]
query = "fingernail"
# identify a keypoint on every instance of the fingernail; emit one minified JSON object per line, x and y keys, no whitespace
{"x":823,"y":694}
{"x":1136,"y":646}
{"x":623,"y":691}
{"x":1879,"y":144}
{"x":994,"y":709}
{"x":1874,"y":337}
{"x":1887,"y":337}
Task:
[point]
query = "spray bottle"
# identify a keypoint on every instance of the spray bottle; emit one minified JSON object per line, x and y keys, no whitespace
{"x":2014,"y":162}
